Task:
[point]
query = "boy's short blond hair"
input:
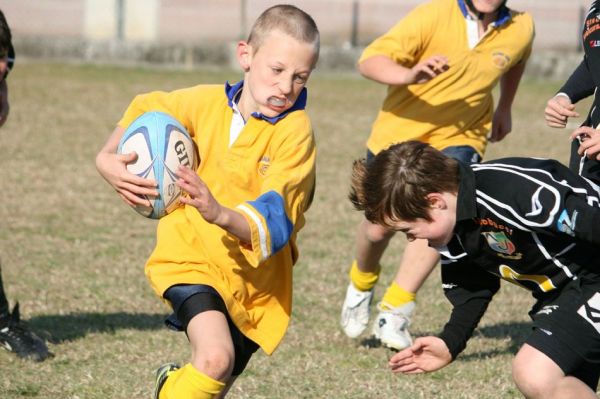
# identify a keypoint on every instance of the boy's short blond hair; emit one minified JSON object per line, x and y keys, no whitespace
{"x":288,"y":19}
{"x":394,"y":185}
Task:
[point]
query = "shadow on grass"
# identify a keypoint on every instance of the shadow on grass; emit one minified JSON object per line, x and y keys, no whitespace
{"x":59,"y":328}
{"x":516,"y":333}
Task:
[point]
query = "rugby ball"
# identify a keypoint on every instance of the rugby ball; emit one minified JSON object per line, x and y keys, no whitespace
{"x":162,"y":144}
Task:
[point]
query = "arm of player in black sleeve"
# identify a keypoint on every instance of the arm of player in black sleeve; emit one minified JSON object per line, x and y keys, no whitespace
{"x":580,"y":84}
{"x":470,"y":289}
{"x":578,"y":218}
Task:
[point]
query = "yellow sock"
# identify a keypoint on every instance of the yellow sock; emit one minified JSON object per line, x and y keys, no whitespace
{"x":363,"y":281}
{"x":189,"y":383}
{"x":397,"y":296}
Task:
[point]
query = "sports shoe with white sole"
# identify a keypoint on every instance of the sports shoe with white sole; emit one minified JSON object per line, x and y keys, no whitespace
{"x":391,"y":326}
{"x":355,"y":311}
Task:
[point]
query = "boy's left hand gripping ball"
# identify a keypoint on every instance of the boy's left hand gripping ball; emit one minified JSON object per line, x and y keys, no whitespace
{"x":162,"y":144}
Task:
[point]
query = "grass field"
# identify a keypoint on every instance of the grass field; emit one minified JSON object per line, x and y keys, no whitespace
{"x":73,"y":253}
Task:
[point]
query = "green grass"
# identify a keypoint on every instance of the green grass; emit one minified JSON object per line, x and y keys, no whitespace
{"x":73,"y":253}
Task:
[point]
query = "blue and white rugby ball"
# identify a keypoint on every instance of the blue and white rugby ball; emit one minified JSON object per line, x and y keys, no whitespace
{"x":162,"y":144}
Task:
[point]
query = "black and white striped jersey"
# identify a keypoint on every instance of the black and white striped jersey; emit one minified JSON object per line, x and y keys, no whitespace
{"x":532,"y":222}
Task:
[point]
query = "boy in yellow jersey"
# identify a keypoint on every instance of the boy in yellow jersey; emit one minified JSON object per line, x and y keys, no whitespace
{"x":223,"y":261}
{"x":441,"y":63}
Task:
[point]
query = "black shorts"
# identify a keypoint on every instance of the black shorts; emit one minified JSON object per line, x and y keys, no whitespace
{"x":566,"y":328}
{"x":191,"y":300}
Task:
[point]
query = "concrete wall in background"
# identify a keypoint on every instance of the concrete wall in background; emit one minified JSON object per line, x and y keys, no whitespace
{"x":196,"y":31}
{"x":202,"y":21}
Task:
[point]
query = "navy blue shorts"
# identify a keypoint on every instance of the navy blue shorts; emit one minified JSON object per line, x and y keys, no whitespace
{"x":191,"y":300}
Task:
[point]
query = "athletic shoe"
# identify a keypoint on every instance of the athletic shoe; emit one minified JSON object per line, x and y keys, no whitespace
{"x":355,"y":311}
{"x":391,"y":326}
{"x":162,"y":374}
{"x":16,"y":337}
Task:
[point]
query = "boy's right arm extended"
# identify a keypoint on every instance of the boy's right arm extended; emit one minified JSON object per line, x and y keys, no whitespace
{"x":470,"y":289}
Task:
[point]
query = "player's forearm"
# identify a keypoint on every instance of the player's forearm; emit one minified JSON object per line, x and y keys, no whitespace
{"x":580,"y":84}
{"x":462,"y":323}
{"x":234,"y":223}
{"x":509,"y":83}
{"x":384,"y":70}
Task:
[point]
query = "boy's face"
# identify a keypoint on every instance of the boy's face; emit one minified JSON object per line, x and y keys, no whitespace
{"x":275,"y":74}
{"x":487,"y":6}
{"x":439,"y":230}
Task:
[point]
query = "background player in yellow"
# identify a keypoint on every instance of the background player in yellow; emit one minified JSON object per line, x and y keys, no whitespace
{"x":224,"y":260}
{"x":441,"y":63}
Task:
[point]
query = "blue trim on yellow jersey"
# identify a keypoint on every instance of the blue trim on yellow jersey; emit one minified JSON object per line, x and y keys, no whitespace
{"x":503,"y":13}
{"x":232,"y":91}
{"x":272,"y":208}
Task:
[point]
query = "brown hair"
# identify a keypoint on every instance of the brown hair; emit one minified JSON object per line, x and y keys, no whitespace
{"x":395,"y":184}
{"x":288,"y":19}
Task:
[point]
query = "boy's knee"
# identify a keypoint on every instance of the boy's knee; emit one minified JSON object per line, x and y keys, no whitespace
{"x":530,"y":382}
{"x":216,"y":363}
{"x":376,"y":233}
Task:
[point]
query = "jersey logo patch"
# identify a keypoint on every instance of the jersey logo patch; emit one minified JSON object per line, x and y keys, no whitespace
{"x":498,"y":241}
{"x":263,"y":165}
{"x":566,"y":223}
{"x":591,"y":311}
{"x":500,"y":59}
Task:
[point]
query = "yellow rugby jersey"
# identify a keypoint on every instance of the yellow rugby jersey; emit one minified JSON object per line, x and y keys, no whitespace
{"x":456,"y":107}
{"x":267,"y":174}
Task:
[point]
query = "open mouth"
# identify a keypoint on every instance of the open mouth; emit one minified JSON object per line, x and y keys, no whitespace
{"x":276,"y":102}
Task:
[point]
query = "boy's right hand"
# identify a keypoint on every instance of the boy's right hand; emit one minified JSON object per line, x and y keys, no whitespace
{"x":558,"y":111}
{"x":130,"y":187}
{"x":426,"y":354}
{"x":428,"y":69}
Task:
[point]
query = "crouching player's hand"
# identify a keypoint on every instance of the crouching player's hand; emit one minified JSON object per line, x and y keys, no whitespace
{"x":426,"y":354}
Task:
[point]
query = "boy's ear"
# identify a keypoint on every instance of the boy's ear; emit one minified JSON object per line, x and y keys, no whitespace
{"x":436,"y":201}
{"x":244,"y":55}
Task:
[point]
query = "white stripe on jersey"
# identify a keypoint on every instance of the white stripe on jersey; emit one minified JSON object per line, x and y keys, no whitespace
{"x":553,"y":258}
{"x":551,"y":212}
{"x":261,"y":230}
{"x":449,"y":257}
{"x":593,"y":200}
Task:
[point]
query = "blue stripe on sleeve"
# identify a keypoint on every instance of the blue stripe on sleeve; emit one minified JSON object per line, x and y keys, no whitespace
{"x":271,"y":206}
